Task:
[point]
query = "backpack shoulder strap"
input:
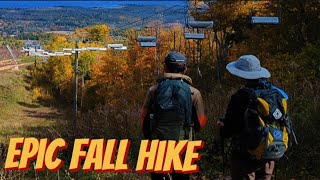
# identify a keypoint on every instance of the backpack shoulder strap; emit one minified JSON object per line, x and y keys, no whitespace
{"x":251,"y":107}
{"x":268,"y":85}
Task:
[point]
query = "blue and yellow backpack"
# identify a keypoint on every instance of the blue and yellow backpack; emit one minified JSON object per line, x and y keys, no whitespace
{"x":267,"y":127}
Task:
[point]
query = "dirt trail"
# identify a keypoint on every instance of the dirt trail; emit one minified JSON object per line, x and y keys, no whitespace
{"x":7,"y":67}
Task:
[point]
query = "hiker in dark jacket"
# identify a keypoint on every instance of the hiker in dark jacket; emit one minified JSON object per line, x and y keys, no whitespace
{"x":174,"y":67}
{"x":244,"y":166}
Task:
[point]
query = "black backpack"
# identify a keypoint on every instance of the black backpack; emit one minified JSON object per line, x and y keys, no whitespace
{"x":267,"y":127}
{"x":172,"y":111}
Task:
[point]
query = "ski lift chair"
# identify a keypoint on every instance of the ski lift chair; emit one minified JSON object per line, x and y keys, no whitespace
{"x":197,"y":25}
{"x":118,"y":45}
{"x":197,"y":36}
{"x":273,"y":18}
{"x":265,"y":20}
{"x":150,"y":42}
{"x":147,"y":41}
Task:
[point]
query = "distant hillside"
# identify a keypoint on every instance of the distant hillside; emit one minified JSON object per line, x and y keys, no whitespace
{"x":99,"y":0}
{"x":20,"y":20}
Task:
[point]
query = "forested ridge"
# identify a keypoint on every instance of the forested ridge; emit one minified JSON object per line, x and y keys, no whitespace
{"x":19,"y":21}
{"x":114,"y":83}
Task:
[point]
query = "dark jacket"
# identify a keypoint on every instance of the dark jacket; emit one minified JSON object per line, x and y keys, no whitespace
{"x":234,"y":121}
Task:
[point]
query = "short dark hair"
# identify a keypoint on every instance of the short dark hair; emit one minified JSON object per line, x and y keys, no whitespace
{"x":175,"y":62}
{"x":175,"y":67}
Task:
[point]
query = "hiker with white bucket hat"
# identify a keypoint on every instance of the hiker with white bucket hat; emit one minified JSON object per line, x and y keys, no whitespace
{"x":248,"y":67}
{"x":256,"y":145}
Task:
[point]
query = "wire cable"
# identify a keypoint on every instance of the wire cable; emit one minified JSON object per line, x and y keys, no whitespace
{"x":147,"y":17}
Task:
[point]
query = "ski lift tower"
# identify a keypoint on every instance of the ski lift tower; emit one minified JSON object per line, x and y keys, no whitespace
{"x":198,"y":25}
{"x":37,"y":51}
{"x":77,"y":50}
{"x":13,"y":57}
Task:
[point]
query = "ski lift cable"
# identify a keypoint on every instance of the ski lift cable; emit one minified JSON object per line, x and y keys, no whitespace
{"x":151,"y":41}
{"x":151,"y":21}
{"x":151,"y":44}
{"x":162,"y":23}
{"x":172,"y":21}
{"x":143,"y":19}
{"x":191,"y":24}
{"x":147,"y":17}
{"x":168,"y":10}
{"x":196,"y":24}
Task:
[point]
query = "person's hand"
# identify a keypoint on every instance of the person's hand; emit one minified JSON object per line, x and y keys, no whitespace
{"x":269,"y":167}
{"x":220,"y":124}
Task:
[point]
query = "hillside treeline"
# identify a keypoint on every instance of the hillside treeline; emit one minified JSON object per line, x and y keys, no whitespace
{"x":19,"y":21}
{"x":113,"y":83}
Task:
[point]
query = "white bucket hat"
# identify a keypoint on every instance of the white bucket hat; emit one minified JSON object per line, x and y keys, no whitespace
{"x":248,"y":67}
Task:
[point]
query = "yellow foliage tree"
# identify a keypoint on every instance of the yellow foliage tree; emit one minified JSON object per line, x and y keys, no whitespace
{"x":57,"y":43}
{"x":99,"y":33}
{"x":61,"y":73}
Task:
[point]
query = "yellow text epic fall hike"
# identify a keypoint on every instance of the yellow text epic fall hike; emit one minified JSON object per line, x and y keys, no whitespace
{"x":102,"y":155}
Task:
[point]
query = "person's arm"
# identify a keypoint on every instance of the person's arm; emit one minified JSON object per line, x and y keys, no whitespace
{"x":232,"y":123}
{"x":199,"y":108}
{"x":146,"y":110}
{"x":226,"y":122}
{"x":145,"y":114}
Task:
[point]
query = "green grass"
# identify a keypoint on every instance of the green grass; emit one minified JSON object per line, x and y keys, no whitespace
{"x":28,"y":59}
{"x":20,"y":115}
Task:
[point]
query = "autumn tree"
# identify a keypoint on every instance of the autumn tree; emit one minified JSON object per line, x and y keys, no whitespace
{"x":57,"y":43}
{"x":230,"y":18}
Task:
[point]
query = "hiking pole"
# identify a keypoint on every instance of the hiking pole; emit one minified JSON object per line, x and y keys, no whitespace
{"x":222,"y":149}
{"x":222,"y":146}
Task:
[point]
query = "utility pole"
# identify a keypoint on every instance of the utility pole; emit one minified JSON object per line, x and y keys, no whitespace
{"x":35,"y":56}
{"x":75,"y":102}
{"x":35,"y":53}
